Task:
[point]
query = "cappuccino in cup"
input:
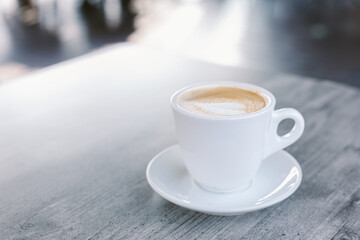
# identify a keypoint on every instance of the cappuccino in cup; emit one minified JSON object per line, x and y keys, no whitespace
{"x":221,"y":101}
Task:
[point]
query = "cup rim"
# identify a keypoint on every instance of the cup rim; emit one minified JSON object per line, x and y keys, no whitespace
{"x":247,"y":86}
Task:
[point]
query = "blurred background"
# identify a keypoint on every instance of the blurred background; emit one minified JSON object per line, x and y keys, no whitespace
{"x":318,"y":39}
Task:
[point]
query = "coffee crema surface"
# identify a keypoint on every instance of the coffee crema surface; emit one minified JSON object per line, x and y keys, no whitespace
{"x":221,"y":101}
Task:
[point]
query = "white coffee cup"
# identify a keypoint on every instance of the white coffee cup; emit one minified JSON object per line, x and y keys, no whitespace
{"x":223,"y":154}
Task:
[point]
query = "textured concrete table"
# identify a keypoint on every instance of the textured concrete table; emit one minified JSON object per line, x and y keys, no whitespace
{"x":75,"y":140}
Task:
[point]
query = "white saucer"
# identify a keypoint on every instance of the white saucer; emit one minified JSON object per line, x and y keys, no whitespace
{"x":278,"y":177}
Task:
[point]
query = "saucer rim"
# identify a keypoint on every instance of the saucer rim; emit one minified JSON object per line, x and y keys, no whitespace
{"x":220,"y":211}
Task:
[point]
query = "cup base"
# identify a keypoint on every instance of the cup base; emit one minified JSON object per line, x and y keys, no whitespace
{"x":242,"y":188}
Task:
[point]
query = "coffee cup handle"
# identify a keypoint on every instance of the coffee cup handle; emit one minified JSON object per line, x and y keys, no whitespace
{"x":274,"y":142}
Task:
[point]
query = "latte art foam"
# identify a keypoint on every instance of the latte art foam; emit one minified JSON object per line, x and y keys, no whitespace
{"x":221,"y":101}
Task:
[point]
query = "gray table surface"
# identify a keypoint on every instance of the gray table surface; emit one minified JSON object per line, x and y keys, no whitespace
{"x":75,"y":140}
